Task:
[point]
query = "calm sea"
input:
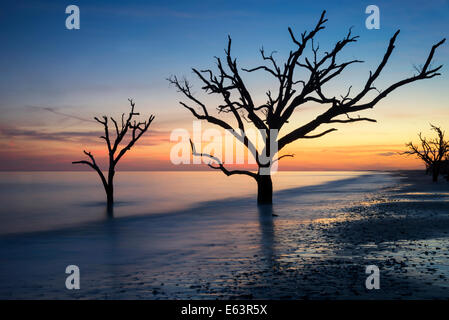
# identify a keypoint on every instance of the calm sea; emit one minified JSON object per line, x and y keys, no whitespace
{"x":35,"y":201}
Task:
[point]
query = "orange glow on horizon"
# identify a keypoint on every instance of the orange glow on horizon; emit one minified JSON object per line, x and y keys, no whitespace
{"x":360,"y":146}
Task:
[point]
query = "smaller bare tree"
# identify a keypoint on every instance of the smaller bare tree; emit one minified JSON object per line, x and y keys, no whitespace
{"x":445,"y":167}
{"x":432,"y":151}
{"x":128,"y":125}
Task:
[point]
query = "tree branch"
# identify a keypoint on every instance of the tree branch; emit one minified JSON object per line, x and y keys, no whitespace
{"x":220,"y":165}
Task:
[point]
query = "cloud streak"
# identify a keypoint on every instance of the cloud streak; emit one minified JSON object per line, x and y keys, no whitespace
{"x":387,"y":154}
{"x":151,"y":139}
{"x":59,"y":113}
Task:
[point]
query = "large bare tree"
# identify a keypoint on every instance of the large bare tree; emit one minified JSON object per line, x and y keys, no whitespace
{"x":291,"y":94}
{"x":128,"y":129}
{"x":434,"y":152}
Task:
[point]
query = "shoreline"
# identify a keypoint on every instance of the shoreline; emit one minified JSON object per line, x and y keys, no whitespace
{"x":34,"y":202}
{"x":316,"y":247}
{"x":191,"y":207}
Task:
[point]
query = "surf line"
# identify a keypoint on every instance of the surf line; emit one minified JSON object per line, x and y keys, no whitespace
{"x":198,"y":310}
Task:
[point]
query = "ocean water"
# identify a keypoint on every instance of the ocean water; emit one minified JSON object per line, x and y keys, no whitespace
{"x":174,"y":235}
{"x":39,"y":201}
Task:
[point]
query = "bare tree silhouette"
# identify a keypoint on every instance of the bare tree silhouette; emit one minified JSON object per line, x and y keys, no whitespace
{"x":444,"y":168}
{"x":292,"y":93}
{"x":128,"y":125}
{"x":433,"y":152}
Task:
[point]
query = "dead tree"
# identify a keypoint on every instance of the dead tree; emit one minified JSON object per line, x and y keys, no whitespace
{"x":291,"y":93}
{"x":129,"y":127}
{"x":433,"y":152}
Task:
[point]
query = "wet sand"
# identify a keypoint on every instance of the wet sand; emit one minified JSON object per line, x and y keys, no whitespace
{"x":313,"y":243}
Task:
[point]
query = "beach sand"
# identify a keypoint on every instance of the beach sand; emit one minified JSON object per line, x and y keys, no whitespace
{"x":313,"y":243}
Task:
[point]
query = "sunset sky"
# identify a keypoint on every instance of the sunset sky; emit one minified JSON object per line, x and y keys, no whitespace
{"x":54,"y":81}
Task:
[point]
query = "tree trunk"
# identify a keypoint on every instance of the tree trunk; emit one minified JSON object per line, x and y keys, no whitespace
{"x":110,"y":202}
{"x":110,"y":188}
{"x":110,"y":196}
{"x":264,"y":189}
{"x":435,"y":174}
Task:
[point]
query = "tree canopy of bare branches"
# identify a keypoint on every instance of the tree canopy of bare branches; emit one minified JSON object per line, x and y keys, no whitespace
{"x":289,"y":95}
{"x":432,"y":151}
{"x":126,"y":128}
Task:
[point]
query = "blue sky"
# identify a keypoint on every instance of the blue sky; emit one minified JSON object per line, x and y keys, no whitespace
{"x":132,"y":46}
{"x":128,"y":49}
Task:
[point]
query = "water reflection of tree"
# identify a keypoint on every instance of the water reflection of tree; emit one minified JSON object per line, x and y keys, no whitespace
{"x":267,"y":233}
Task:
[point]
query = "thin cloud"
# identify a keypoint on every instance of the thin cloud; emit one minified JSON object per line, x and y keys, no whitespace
{"x":55,"y":111}
{"x":387,"y":154}
{"x":154,"y":137}
{"x":45,"y":135}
